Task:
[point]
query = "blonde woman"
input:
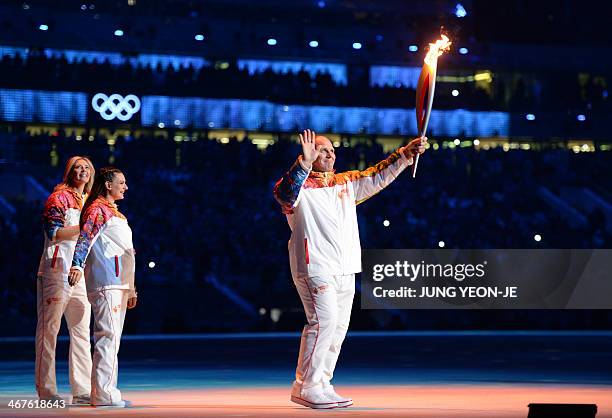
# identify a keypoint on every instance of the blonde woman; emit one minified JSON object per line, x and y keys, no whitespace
{"x":105,"y":252}
{"x":55,"y":297}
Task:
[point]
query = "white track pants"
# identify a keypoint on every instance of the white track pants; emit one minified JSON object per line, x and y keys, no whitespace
{"x":327,"y":303}
{"x":55,"y":297}
{"x":109,"y":308}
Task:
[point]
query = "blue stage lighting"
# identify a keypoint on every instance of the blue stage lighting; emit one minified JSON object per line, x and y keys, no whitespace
{"x":460,"y":10}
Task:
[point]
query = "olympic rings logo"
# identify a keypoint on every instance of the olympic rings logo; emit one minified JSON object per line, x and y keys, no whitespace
{"x":116,"y":106}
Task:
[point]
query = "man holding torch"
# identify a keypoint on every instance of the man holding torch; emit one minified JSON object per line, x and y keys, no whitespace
{"x":325,"y":253}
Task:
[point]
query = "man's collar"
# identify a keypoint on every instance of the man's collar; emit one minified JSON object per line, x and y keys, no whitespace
{"x":322,"y":174}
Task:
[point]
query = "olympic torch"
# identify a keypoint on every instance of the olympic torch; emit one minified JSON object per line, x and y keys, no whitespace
{"x":426,"y":88}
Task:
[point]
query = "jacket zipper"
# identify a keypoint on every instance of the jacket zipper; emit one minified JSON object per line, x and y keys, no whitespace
{"x":54,"y":256}
{"x":116,"y":266}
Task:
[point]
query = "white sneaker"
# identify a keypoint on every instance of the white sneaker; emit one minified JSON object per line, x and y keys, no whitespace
{"x":81,"y":400}
{"x":313,"y":399}
{"x":334,"y":397}
{"x":118,"y":404}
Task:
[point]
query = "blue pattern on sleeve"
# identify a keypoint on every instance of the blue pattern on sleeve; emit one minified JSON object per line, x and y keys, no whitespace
{"x":287,"y":189}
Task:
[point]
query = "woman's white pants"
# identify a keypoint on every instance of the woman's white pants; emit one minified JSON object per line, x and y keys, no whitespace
{"x":56,"y":298}
{"x":109,"y":308}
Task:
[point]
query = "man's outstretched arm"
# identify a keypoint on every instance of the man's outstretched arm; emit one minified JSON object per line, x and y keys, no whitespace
{"x":287,"y":189}
{"x":372,"y":180}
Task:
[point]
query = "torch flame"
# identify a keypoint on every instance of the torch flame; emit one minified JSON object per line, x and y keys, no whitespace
{"x":436,"y":49}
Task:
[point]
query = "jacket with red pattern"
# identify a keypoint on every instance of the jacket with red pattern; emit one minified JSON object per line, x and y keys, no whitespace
{"x":62,"y":209}
{"x":321,"y":212}
{"x":104,"y":249}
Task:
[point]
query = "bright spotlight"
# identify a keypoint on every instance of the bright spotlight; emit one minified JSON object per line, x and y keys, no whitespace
{"x":441,"y":244}
{"x":199,"y":37}
{"x":356,"y":45}
{"x":581,"y":118}
{"x":313,"y":44}
{"x":151,"y":264}
{"x":530,"y":116}
{"x":386,"y":222}
{"x":460,"y":10}
{"x":463,"y":51}
{"x":537,"y":237}
{"x":413,"y":48}
{"x":118,"y":32}
{"x":271,"y":41}
{"x":455,"y":93}
{"x":43,"y":27}
{"x":456,"y":141}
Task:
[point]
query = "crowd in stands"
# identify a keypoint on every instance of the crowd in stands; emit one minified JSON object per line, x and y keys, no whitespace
{"x":203,"y":212}
{"x":528,"y":93}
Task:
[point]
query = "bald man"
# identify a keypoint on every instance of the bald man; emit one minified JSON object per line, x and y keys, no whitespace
{"x":325,"y":253}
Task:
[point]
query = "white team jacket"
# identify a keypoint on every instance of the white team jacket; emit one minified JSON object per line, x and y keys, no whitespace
{"x":62,"y":209}
{"x":104,"y":249}
{"x":321,"y":212}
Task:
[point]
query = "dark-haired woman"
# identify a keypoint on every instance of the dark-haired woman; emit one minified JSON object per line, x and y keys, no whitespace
{"x":55,"y":297}
{"x":104,"y":251}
